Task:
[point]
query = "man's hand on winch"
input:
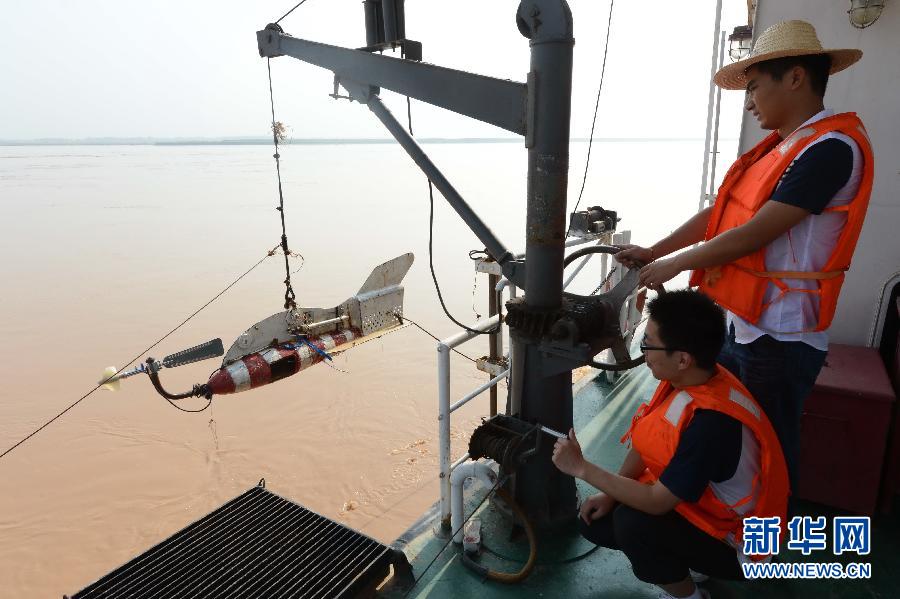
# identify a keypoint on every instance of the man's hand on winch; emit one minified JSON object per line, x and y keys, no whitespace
{"x":568,"y":457}
{"x":655,"y":274}
{"x":633,"y":256}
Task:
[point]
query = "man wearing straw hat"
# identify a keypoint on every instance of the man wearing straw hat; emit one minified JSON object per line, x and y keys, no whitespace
{"x":784,"y":225}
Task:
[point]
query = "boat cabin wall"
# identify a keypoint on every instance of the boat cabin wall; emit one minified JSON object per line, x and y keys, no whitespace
{"x":870,"y":88}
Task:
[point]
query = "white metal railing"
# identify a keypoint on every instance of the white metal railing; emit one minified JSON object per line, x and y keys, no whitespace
{"x":445,"y":409}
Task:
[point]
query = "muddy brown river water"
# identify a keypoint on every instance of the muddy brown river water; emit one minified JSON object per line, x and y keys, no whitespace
{"x":104,"y":249}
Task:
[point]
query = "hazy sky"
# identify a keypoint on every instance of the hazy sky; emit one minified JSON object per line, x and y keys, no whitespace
{"x":96,"y":68}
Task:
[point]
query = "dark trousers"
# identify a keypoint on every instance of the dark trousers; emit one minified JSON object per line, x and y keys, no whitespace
{"x":780,"y":375}
{"x":662,"y":548}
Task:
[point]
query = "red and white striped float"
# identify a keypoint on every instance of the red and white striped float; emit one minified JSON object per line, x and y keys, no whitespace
{"x":275,"y":363}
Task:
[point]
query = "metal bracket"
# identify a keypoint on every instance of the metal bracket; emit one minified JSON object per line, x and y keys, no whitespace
{"x":489,"y":267}
{"x":492,"y":366}
{"x":356,"y":92}
{"x":337,"y":88}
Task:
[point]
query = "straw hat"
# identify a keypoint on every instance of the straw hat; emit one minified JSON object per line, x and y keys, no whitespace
{"x":788,"y":38}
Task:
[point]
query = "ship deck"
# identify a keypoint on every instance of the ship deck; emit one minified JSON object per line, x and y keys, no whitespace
{"x":569,"y":566}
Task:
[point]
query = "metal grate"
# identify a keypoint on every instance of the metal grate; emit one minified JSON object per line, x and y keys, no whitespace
{"x":256,"y":545}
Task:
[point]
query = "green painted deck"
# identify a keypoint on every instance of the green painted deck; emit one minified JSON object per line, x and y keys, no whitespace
{"x":570,"y":567}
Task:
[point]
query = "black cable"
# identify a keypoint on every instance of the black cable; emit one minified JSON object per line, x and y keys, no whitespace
{"x":408,"y":102}
{"x":290,"y":11}
{"x":289,"y":294}
{"x":134,"y":359}
{"x":175,"y":405}
{"x":409,"y":115}
{"x":402,"y":317}
{"x":596,"y":106}
{"x":437,"y":286}
{"x":499,"y":482}
{"x":561,"y":562}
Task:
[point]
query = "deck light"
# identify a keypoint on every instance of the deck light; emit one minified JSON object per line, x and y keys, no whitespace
{"x":865,"y":12}
{"x":739,"y":42}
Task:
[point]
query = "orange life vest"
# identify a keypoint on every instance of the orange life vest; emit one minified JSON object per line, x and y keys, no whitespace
{"x":656,"y":431}
{"x":741,"y":285}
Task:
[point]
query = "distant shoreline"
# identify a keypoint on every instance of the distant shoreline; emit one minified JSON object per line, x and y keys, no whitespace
{"x":259,"y":141}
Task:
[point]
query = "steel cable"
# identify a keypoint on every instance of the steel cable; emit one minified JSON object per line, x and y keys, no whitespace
{"x":134,"y":359}
{"x":596,"y":106}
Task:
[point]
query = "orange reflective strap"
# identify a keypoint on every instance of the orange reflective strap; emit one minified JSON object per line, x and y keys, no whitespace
{"x":792,"y":274}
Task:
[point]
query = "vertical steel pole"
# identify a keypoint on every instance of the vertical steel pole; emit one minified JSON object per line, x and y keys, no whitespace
{"x":547,"y":495}
{"x":444,"y":429}
{"x":494,"y":350}
{"x":709,"y":106}
{"x":715,"y":143}
{"x":550,"y":81}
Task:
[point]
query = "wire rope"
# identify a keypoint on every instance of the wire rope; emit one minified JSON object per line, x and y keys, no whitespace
{"x":134,"y":359}
{"x":596,"y":105}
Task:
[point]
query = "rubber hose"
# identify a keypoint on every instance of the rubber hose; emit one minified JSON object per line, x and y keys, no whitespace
{"x":522,"y":574}
{"x":197,"y":391}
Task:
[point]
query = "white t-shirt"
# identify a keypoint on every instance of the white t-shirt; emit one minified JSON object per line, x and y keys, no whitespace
{"x":805,"y":247}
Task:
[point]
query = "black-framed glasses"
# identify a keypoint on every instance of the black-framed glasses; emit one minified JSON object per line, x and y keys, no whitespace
{"x":644,"y":347}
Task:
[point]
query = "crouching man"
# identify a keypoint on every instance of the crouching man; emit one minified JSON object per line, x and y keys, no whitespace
{"x":703,"y":457}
